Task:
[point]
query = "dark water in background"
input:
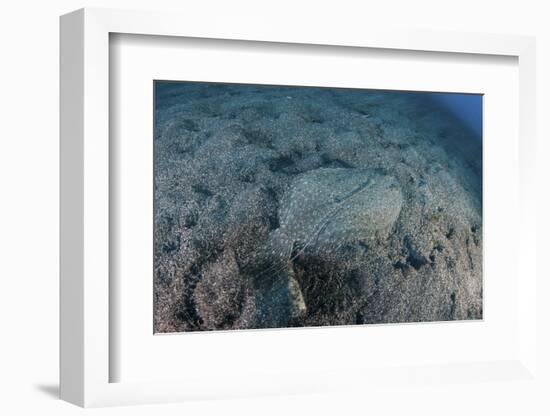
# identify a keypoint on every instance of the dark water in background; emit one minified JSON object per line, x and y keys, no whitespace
{"x":466,"y":107}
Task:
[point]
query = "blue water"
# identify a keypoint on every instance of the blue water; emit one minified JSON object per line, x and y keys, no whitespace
{"x":466,"y":107}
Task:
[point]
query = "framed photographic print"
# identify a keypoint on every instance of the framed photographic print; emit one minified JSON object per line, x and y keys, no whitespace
{"x":271,"y":211}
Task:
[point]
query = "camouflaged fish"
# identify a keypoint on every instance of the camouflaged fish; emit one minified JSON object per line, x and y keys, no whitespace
{"x":324,"y":209}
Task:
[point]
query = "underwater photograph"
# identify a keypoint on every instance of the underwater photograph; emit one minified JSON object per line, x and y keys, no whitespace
{"x":291,"y":206}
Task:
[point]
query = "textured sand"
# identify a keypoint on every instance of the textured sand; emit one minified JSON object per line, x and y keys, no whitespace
{"x":279,"y":207}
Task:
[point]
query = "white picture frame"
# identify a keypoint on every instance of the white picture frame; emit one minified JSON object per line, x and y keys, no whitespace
{"x":85,"y":211}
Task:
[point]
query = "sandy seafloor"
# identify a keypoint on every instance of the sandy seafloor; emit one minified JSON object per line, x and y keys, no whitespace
{"x":292,"y":207}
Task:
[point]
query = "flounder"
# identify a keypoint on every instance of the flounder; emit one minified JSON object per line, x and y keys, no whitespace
{"x":324,"y":209}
